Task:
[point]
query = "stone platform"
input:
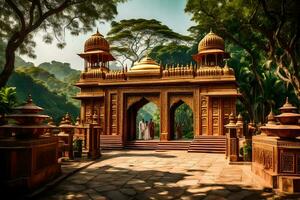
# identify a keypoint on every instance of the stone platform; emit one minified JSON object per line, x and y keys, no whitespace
{"x":277,"y":161}
{"x":121,"y":175}
{"x":27,"y":164}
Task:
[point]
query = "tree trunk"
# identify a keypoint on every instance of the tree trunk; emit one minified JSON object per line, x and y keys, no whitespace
{"x":9,"y":64}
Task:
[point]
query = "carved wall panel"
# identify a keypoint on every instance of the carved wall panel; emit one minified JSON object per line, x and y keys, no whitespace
{"x":298,"y":163}
{"x":216,"y":106}
{"x":204,"y":115}
{"x":113,"y":114}
{"x":263,"y":157}
{"x":88,"y":111}
{"x":287,"y":162}
{"x":227,"y":109}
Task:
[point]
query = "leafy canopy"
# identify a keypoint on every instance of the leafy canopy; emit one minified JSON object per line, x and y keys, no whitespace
{"x":131,"y":39}
{"x":20,"y":20}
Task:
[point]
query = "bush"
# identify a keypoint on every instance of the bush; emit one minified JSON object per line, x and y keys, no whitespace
{"x":77,"y":147}
{"x":247,"y":152}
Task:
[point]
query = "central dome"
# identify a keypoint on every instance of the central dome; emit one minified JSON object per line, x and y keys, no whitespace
{"x":96,"y":42}
{"x":146,"y":63}
{"x":211,"y":43}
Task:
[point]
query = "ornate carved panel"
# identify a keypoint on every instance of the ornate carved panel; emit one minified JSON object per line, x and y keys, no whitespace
{"x":298,"y":163}
{"x":113,"y":113}
{"x":216,"y":116}
{"x":263,"y":157}
{"x":204,"y":115}
{"x":287,"y":162}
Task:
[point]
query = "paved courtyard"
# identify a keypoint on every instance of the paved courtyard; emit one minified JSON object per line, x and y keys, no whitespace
{"x":122,"y":175}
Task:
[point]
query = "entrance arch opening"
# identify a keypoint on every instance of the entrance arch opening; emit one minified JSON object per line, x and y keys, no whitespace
{"x":145,"y":112}
{"x":181,"y":122}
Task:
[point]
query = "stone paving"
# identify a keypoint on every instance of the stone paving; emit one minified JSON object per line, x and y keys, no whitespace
{"x":121,"y":175}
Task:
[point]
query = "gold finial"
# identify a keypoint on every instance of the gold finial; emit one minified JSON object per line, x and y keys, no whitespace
{"x":210,"y":31}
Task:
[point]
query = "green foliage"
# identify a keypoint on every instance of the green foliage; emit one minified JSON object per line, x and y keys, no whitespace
{"x":147,"y":112}
{"x":184,"y":117}
{"x":173,"y":53}
{"x":7,"y":99}
{"x":61,"y":71}
{"x":267,"y":31}
{"x":131,"y":39}
{"x":247,"y":151}
{"x":51,"y":82}
{"x":258,"y":46}
{"x":54,"y":105}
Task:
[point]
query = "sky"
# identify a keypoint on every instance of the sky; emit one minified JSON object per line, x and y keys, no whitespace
{"x":169,"y":12}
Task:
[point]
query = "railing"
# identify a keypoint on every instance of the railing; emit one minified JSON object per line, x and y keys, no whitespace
{"x":168,"y":72}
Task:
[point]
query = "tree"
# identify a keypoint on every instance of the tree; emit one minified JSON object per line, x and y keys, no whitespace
{"x":20,"y":20}
{"x":267,"y":30}
{"x":131,"y":39}
{"x":173,"y":53}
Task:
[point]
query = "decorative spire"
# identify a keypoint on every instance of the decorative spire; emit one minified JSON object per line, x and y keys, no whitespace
{"x":271,"y":118}
{"x":29,"y":99}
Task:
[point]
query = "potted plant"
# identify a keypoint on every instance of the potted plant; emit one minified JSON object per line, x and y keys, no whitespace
{"x":77,"y":148}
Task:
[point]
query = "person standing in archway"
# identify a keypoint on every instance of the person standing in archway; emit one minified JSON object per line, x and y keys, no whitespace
{"x":151,"y":128}
{"x":147,"y":132}
{"x":142,"y":127}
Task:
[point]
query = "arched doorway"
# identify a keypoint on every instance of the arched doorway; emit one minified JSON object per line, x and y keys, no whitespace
{"x":181,"y":121}
{"x":146,"y":111}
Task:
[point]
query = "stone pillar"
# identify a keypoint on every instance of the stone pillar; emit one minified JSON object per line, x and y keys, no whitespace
{"x":232,"y":141}
{"x":94,"y":138}
{"x":67,"y":128}
{"x":164,"y":117}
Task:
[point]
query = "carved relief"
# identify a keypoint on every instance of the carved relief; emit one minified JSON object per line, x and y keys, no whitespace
{"x":298,"y":163}
{"x":204,"y":115}
{"x":287,"y":162}
{"x":113,"y":113}
{"x":263,"y":157}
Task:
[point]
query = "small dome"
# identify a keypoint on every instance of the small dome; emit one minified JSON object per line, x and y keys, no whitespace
{"x":96,"y":42}
{"x":146,"y":63}
{"x":211,"y":43}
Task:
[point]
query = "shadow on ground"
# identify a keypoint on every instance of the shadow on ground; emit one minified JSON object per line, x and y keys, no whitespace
{"x":116,"y":183}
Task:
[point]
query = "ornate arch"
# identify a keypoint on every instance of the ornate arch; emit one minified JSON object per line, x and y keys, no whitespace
{"x":188,"y":99}
{"x":134,"y":99}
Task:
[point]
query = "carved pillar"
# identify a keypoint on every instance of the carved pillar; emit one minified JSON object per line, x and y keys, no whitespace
{"x":232,"y":141}
{"x":196,"y":113}
{"x":164,"y":116}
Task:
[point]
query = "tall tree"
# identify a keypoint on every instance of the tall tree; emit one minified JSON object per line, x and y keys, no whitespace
{"x":268,"y":31}
{"x":20,"y":19}
{"x":173,"y":53}
{"x":131,"y":39}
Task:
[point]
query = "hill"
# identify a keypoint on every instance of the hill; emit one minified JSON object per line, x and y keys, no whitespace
{"x":62,"y":71}
{"x":52,"y":83}
{"x":55,"y":105}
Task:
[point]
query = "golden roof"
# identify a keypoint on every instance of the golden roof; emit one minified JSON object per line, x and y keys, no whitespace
{"x":211,"y":43}
{"x":145,"y":63}
{"x":96,"y":42}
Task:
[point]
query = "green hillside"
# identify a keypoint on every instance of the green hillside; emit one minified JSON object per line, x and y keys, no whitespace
{"x":52,"y":83}
{"x":61,"y":71}
{"x":47,"y":91}
{"x":54,"y":104}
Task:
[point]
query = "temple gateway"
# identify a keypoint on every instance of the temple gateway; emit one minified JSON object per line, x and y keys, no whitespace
{"x":113,"y":98}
